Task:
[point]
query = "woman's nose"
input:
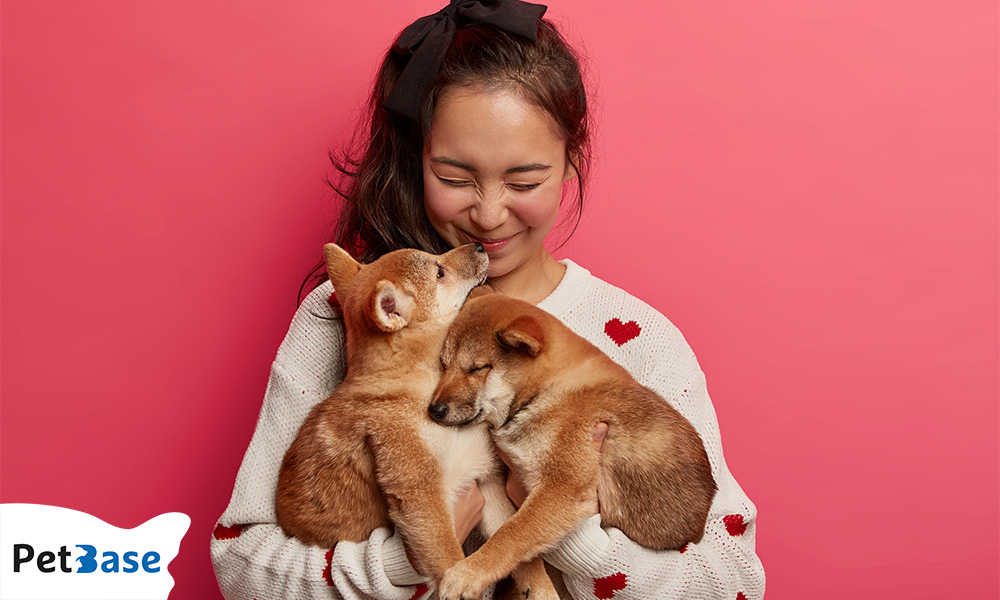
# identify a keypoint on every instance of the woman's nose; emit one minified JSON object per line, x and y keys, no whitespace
{"x":490,"y":210}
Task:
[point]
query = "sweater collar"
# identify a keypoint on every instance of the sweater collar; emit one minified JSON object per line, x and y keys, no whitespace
{"x":572,"y":288}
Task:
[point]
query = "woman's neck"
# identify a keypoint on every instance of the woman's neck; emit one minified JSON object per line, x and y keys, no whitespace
{"x":533,"y":281}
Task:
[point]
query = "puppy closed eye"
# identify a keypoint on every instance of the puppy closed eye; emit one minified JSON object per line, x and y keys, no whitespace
{"x":479,"y":369}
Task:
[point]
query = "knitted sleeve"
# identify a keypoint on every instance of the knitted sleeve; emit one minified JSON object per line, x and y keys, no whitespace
{"x":252,"y":556}
{"x":604,"y":563}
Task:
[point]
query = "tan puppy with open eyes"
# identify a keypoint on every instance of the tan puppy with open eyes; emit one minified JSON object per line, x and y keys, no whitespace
{"x":369,"y":456}
{"x":541,"y":389}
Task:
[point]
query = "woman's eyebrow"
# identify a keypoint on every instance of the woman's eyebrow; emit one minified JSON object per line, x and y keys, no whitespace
{"x":444,"y":160}
{"x":527,"y":168}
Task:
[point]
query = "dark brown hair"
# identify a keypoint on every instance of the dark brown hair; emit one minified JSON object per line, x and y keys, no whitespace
{"x":381,"y":178}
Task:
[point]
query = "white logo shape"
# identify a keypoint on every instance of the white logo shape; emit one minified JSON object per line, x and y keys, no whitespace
{"x":54,"y":553}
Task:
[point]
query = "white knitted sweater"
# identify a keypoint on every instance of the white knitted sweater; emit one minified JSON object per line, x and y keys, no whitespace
{"x":254,"y":559}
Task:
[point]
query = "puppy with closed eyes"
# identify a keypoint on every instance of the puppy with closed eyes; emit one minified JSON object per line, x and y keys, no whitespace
{"x":541,"y":388}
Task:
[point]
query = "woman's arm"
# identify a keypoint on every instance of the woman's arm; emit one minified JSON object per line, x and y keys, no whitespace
{"x":262,"y":562}
{"x":252,"y":556}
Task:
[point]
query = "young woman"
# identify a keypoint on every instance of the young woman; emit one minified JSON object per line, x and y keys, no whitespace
{"x":477,"y":126}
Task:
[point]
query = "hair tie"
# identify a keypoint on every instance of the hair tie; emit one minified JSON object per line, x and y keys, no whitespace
{"x":428,"y":38}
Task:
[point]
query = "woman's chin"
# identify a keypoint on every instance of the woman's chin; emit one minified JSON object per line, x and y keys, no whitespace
{"x":499,"y":267}
{"x":495,"y":271}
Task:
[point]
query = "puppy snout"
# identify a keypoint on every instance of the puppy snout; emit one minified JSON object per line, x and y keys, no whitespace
{"x":438,"y":411}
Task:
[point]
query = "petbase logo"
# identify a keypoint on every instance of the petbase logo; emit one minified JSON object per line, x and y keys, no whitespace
{"x":54,"y":553}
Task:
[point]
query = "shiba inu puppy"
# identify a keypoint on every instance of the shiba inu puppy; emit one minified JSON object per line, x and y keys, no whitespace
{"x":369,"y":456}
{"x":541,"y":388}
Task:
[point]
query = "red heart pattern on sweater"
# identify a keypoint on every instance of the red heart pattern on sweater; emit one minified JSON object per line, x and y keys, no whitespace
{"x":328,"y":570}
{"x":735,"y":525}
{"x":621,"y":332}
{"x":422,"y":589}
{"x":605,"y":587}
{"x":741,"y":596}
{"x":227,"y":533}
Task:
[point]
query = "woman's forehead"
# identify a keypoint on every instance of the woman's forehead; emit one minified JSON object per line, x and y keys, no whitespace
{"x":491,"y":129}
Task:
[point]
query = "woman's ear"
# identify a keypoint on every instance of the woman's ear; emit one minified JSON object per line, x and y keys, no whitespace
{"x":524,"y":334}
{"x":572,"y":159}
{"x":389,"y":307}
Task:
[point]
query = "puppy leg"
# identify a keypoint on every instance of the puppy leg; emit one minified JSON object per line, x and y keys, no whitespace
{"x":548,"y":514}
{"x":530,"y":578}
{"x":411,"y":481}
{"x":533,"y":581}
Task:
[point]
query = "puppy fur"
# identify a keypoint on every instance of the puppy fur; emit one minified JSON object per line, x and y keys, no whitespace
{"x":541,"y":388}
{"x":369,"y":456}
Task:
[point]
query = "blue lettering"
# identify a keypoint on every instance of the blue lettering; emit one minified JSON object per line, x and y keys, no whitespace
{"x":111,"y":564}
{"x":148,"y":560}
{"x":130,"y":565}
{"x":87,"y":562}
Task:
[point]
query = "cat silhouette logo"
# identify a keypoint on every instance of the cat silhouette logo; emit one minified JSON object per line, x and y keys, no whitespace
{"x":54,"y":553}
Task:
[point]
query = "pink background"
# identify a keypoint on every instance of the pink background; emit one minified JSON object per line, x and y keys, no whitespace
{"x":809,"y":190}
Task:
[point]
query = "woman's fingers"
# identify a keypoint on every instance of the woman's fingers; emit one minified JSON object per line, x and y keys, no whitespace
{"x":600,"y":430}
{"x":468,"y":511}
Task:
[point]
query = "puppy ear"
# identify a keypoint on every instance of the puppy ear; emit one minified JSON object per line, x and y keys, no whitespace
{"x":340,"y":266}
{"x":524,"y":334}
{"x":480,"y":290}
{"x":389,"y":307}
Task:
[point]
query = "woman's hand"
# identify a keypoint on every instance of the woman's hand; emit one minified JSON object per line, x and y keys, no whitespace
{"x":515,"y":487}
{"x":468,"y":511}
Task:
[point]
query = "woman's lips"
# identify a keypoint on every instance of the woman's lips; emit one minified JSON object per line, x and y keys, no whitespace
{"x":491,"y":245}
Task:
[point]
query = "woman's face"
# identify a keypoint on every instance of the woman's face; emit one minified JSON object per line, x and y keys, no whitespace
{"x":494,"y":166}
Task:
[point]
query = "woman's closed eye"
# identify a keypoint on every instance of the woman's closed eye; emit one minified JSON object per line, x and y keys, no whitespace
{"x":455,"y":182}
{"x":519,"y":187}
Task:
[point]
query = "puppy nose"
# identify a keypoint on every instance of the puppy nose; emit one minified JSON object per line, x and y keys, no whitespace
{"x":479,"y":247}
{"x":438,"y":411}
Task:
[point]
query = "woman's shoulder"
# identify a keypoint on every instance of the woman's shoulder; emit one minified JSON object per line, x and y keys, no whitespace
{"x":320,"y":302}
{"x":315,"y":338}
{"x":629,"y":330}
{"x":319,"y":312}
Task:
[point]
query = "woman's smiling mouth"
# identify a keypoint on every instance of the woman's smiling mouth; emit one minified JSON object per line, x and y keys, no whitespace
{"x":491,"y":245}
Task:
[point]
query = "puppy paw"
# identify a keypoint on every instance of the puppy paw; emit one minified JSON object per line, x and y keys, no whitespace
{"x":461,"y":582}
{"x":532,"y":582}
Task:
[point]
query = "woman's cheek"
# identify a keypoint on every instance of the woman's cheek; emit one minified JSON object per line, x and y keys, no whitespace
{"x":539,"y":208}
{"x":444,"y":206}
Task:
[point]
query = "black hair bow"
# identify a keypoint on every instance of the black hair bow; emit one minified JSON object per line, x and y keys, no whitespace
{"x":428,"y":38}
